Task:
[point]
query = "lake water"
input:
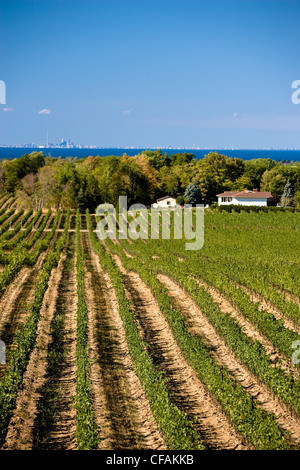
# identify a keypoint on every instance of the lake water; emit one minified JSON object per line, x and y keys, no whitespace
{"x":278,"y":155}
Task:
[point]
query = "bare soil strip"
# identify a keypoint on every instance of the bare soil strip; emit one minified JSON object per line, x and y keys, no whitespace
{"x":199,"y":324}
{"x":14,"y":304}
{"x":118,"y":226}
{"x":37,"y":223}
{"x":22,"y":425}
{"x":16,"y":222}
{"x":8,"y":220}
{"x":122,"y":410}
{"x":49,"y":222}
{"x":23,"y":227}
{"x":6,"y":204}
{"x":12,"y":292}
{"x":14,"y":308}
{"x":55,"y":423}
{"x":28,"y":222}
{"x":15,"y":205}
{"x":15,"y":301}
{"x":117,"y":242}
{"x":269,"y":307}
{"x":290,"y":297}
{"x":189,"y":394}
{"x":250,"y":330}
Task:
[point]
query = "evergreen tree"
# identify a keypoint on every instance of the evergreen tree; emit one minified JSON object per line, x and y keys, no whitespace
{"x":192,"y":194}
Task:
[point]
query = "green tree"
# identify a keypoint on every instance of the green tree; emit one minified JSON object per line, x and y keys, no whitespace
{"x":192,"y":194}
{"x":254,"y":170}
{"x":180,"y":159}
{"x":216,"y":173}
{"x":157,"y":159}
{"x":297,"y":200}
{"x":16,"y":169}
{"x":273,"y":182}
{"x":169,"y":182}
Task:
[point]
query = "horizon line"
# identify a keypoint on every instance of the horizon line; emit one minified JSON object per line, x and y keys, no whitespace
{"x":92,"y":147}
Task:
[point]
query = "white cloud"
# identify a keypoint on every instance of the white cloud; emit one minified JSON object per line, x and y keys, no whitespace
{"x":235,"y":114}
{"x":126,"y":112}
{"x":45,"y":111}
{"x":6,"y":110}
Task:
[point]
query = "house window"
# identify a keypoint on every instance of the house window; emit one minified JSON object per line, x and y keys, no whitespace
{"x":226,"y":199}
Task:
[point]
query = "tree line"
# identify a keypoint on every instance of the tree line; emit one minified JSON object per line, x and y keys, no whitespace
{"x":41,"y":181}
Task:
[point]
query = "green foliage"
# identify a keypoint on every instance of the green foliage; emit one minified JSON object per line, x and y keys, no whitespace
{"x":242,"y":208}
{"x":85,"y":183}
{"x":256,"y":425}
{"x":26,"y":338}
{"x":254,"y":170}
{"x":297,"y":200}
{"x":251,"y":249}
{"x":244,"y":252}
{"x":192,"y":194}
{"x":20,"y":255}
{"x":177,"y":429}
{"x":87,"y":432}
{"x":16,"y":169}
{"x":217,"y":173}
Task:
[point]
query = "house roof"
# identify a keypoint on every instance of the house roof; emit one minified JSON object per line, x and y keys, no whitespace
{"x":248,"y":194}
{"x":165,"y":197}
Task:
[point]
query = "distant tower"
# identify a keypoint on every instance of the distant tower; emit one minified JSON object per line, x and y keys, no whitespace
{"x":47,"y":140}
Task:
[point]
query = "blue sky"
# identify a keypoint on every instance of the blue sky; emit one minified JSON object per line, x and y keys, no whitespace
{"x":211,"y":73}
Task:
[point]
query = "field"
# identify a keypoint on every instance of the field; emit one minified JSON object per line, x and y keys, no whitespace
{"x":142,"y":344}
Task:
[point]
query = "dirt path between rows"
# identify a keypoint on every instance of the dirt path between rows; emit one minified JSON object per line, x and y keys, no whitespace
{"x":277,"y":359}
{"x":22,"y":424}
{"x":12,"y":235}
{"x":267,"y":306}
{"x":9,"y":219}
{"x":122,"y":410}
{"x":189,"y":394}
{"x":199,"y":324}
{"x":55,"y":424}
{"x":289,"y":296}
{"x":16,"y":299}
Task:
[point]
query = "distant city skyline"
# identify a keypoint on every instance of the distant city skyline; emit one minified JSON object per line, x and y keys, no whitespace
{"x":67,"y":143}
{"x":150,"y":73}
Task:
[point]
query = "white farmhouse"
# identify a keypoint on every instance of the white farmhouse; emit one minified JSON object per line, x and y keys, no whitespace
{"x":166,"y":201}
{"x":245,"y":198}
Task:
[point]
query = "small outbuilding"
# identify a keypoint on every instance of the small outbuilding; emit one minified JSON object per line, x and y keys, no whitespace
{"x":166,"y":201}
